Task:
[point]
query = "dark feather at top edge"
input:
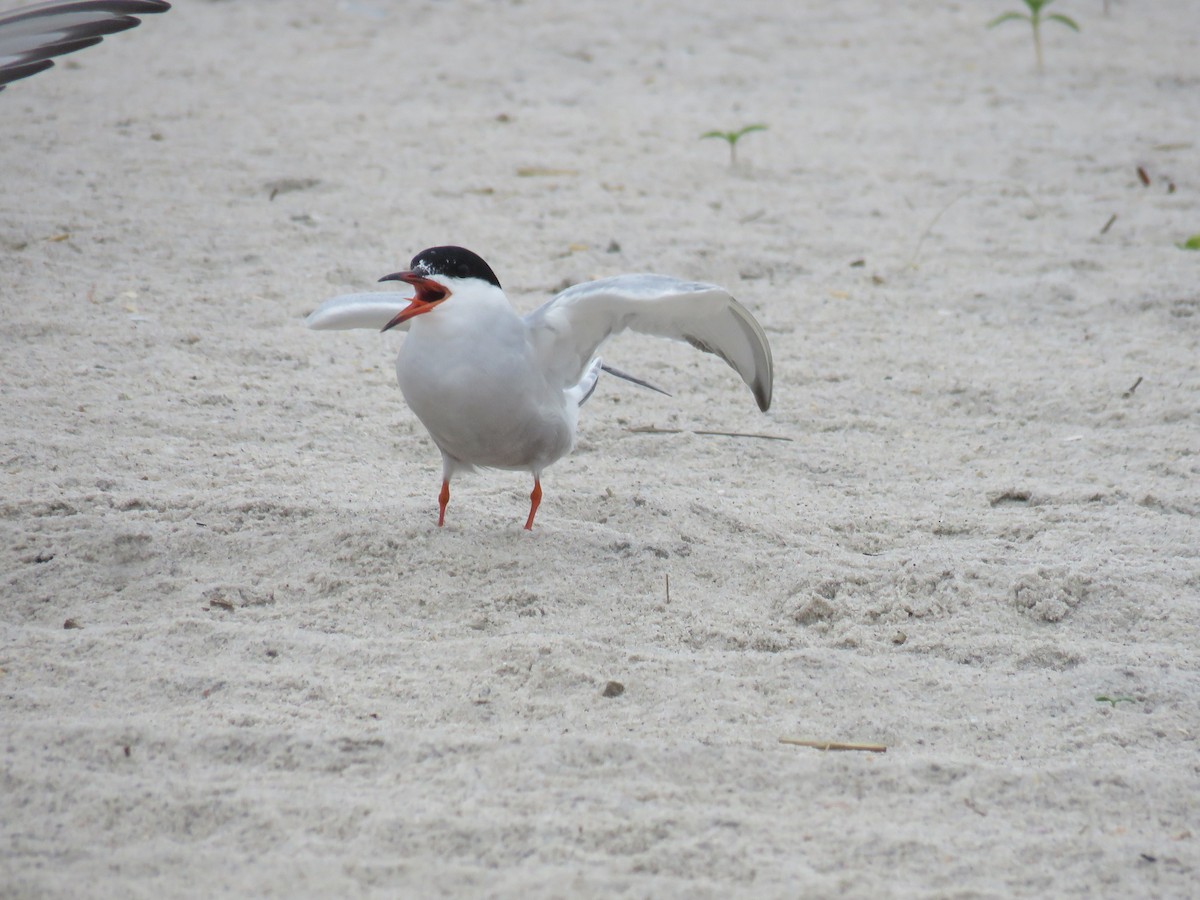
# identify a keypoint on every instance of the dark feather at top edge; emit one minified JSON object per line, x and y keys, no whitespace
{"x":112,"y":7}
{"x":115,"y":17}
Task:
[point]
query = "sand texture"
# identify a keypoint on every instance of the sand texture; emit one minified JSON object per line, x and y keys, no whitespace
{"x":280,"y":678}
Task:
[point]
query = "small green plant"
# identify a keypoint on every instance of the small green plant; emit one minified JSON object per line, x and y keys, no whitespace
{"x":1192,"y":243}
{"x":1035,"y":19}
{"x":732,"y":137}
{"x":1114,"y":700}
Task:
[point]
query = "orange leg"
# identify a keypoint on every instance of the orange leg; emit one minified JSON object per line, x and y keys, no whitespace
{"x":443,"y":499}
{"x":535,"y":500}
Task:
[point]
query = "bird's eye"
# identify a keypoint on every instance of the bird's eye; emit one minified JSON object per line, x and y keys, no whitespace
{"x":463,"y":271}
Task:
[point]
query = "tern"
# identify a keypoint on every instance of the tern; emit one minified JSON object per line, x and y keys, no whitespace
{"x":499,"y":390}
{"x":31,"y":36}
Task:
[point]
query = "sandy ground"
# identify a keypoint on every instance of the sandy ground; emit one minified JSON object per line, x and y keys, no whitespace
{"x":286,"y":681}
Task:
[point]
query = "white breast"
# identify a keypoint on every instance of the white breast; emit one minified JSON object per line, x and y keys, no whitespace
{"x":468,"y":372}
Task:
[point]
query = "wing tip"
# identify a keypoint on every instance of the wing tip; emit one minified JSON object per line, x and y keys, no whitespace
{"x":320,"y":319}
{"x":762,"y":394}
{"x":763,"y":380}
{"x":108,"y":18}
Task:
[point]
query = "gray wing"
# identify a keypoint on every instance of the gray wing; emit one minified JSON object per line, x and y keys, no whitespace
{"x":31,"y":36}
{"x":568,"y":330}
{"x":372,"y":310}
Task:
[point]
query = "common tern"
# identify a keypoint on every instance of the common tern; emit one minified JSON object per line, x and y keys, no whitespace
{"x":499,"y":390}
{"x":31,"y":36}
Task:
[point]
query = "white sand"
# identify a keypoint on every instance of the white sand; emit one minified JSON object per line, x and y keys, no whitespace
{"x":288,"y":682}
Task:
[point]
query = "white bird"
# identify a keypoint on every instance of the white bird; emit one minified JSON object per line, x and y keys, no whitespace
{"x":30,"y":37}
{"x":498,"y":390}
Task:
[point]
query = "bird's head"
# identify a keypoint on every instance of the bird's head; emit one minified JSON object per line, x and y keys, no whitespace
{"x":435,"y":274}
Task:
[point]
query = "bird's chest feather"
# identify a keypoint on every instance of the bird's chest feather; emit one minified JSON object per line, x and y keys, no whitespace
{"x":478,"y":391}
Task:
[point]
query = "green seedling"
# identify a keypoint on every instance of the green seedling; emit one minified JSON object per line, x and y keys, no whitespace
{"x":1114,"y":700}
{"x":1035,"y":19}
{"x":732,"y":138}
{"x":1192,"y":243}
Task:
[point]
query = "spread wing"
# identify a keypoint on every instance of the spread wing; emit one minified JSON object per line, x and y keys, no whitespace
{"x":31,"y":36}
{"x":568,"y":330}
{"x":359,"y":311}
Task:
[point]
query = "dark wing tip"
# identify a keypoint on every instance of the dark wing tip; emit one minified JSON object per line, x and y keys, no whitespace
{"x":23,"y":70}
{"x":114,"y":16}
{"x":764,"y":364}
{"x":762,"y":393}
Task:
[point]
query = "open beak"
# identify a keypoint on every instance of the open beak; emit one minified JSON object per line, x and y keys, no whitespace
{"x":429,"y":294}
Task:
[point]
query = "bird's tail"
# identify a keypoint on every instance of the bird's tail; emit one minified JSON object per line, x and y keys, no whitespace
{"x":633,"y":379}
{"x":581,"y":391}
{"x":587,"y":384}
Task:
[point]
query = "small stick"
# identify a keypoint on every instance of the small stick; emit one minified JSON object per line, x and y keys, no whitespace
{"x":834,"y":745}
{"x":668,"y":587}
{"x":1108,"y":224}
{"x":650,"y":429}
{"x":745,"y":434}
{"x":1133,"y":387}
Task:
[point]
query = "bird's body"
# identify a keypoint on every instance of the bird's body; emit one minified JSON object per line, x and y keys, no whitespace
{"x":499,"y":390}
{"x":466,"y":399}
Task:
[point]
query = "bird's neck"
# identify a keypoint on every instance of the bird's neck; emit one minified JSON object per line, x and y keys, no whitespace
{"x":472,"y":310}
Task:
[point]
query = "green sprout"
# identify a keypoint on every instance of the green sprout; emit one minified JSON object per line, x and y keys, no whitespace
{"x":1035,"y":19}
{"x":1192,"y":243}
{"x":1114,"y":700}
{"x":732,"y":137}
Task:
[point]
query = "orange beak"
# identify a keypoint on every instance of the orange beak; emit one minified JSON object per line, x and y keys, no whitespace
{"x":429,"y":294}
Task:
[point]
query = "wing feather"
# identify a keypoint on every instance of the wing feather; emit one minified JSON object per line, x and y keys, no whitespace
{"x":32,"y":35}
{"x":372,"y":310}
{"x":568,"y":330}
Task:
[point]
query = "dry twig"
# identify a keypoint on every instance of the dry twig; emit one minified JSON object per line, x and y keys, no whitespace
{"x":650,"y":429}
{"x":834,"y":745}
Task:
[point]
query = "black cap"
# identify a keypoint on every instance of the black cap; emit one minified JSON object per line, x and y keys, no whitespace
{"x":454,"y":262}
